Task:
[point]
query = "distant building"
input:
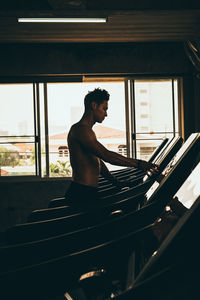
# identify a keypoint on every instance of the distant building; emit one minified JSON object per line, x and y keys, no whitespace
{"x":3,"y":133}
{"x":113,"y":139}
{"x":63,"y":151}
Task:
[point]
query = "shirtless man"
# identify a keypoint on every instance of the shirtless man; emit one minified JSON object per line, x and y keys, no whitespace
{"x":87,"y":154}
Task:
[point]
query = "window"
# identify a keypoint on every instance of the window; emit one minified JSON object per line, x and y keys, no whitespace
{"x":35,"y":119}
{"x":154,"y":118}
{"x":17,"y":130}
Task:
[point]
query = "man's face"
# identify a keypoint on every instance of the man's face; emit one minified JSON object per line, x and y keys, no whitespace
{"x":100,"y":111}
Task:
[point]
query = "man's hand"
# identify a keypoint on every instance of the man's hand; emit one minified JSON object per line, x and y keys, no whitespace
{"x":147,"y":166}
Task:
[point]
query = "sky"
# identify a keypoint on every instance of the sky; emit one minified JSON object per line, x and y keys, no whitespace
{"x":62,"y":97}
{"x":16,"y":105}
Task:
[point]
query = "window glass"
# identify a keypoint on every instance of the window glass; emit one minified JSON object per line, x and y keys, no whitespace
{"x":176,"y":105}
{"x":158,"y":111}
{"x":17,"y":148}
{"x":16,"y":109}
{"x":154,"y":114}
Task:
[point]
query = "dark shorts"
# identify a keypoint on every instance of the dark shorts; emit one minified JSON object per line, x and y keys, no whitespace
{"x":80,"y":196}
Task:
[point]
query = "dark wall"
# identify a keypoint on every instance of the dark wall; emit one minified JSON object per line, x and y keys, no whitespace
{"x":135,"y":58}
{"x":197,"y":102}
{"x":18,"y":199}
{"x":191,"y":97}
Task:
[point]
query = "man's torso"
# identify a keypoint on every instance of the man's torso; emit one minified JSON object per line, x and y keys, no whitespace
{"x":85,"y":165}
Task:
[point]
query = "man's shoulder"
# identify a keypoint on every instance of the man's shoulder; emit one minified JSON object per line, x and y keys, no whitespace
{"x":79,"y":128}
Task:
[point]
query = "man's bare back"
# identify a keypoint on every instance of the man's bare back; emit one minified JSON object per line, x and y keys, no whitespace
{"x":85,"y":165}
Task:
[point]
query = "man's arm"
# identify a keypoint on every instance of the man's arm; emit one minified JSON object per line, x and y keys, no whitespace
{"x":106,"y":174}
{"x":87,"y":139}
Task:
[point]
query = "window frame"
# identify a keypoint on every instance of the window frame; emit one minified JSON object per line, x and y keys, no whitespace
{"x":130,"y":112}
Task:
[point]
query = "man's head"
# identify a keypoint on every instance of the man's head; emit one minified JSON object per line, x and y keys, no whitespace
{"x":97,"y":102}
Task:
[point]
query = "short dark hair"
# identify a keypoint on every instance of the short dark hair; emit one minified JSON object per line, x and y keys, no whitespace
{"x":98,"y":96}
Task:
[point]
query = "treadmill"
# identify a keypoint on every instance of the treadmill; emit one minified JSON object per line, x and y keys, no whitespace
{"x":177,"y":257}
{"x":131,"y":220}
{"x":129,"y":170}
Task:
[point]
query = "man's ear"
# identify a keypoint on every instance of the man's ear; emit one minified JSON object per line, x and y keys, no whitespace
{"x":93,"y":105}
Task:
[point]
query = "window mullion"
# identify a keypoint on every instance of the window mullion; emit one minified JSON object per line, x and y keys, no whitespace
{"x":35,"y":128}
{"x":38,"y":131}
{"x":173,"y":109}
{"x":180,"y":108}
{"x":46,"y":130}
{"x":133,"y":118}
{"x":127,"y":113}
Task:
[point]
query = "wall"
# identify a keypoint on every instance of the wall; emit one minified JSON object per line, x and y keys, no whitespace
{"x":135,"y":58}
{"x":197,"y":102}
{"x":19,"y":198}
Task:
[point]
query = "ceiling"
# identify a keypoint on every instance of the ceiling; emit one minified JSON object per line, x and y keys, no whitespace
{"x":127,"y":21}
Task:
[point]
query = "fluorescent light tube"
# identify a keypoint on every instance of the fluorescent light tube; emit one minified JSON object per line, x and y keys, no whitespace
{"x":62,"y":20}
